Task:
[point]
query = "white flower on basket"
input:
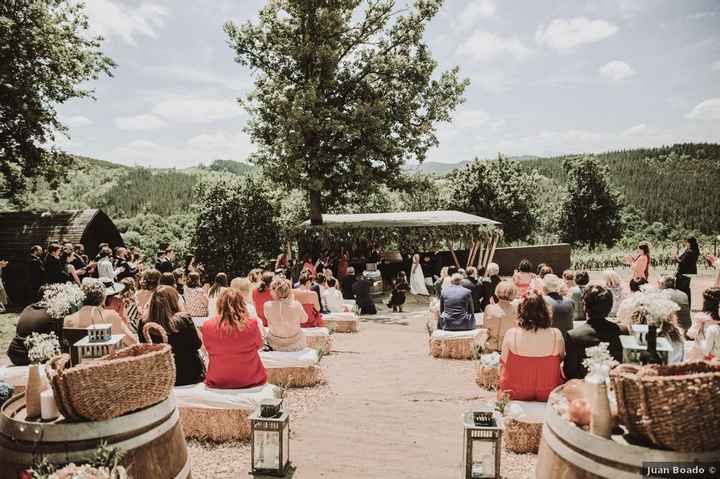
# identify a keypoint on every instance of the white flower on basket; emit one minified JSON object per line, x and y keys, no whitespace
{"x":652,"y":307}
{"x":491,"y":360}
{"x":599,"y":362}
{"x":42,"y":347}
{"x":62,"y":299}
{"x":71,"y":471}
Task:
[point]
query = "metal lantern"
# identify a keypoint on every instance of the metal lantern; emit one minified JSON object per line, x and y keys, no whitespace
{"x":88,"y":349}
{"x":482,"y":445}
{"x":270,"y":440}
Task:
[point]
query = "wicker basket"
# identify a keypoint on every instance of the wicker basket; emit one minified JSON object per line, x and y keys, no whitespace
{"x":522,"y":437}
{"x":487,"y":377}
{"x":124,"y":381}
{"x":674,"y":407}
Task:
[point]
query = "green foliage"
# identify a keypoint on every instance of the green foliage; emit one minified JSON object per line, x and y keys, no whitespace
{"x":151,"y":231}
{"x":590,"y":210}
{"x":235,"y":229}
{"x":46,"y":55}
{"x":230,"y":166}
{"x":499,"y":190}
{"x":342,"y":98}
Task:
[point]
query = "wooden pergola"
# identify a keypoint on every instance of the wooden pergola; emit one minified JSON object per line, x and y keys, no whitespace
{"x":410,"y":231}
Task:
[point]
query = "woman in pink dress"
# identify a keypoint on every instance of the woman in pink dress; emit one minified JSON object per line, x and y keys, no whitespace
{"x":640,"y":263}
{"x":523,"y":277}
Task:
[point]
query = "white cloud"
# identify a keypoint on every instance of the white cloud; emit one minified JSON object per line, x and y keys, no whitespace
{"x":475,"y":10}
{"x":486,"y":46}
{"x":198,"y":110}
{"x":196,"y":75}
{"x":637,"y":130}
{"x":563,"y":33}
{"x":118,"y":19}
{"x":706,"y":110}
{"x":470,"y":118}
{"x":76,"y":121}
{"x":140,"y":122}
{"x":616,"y":70}
{"x":715,"y":66}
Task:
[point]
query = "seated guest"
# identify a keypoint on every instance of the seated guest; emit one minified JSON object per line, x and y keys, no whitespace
{"x":531,"y":354}
{"x":456,"y":307}
{"x":242,"y":286}
{"x":582,"y":278}
{"x":181,"y":333}
{"x":219,"y":285}
{"x":232,"y":341}
{"x":262,"y":294}
{"x":561,"y":309}
{"x":196,"y":299}
{"x":705,"y":329}
{"x":493,"y":274}
{"x":614,"y":285}
{"x":667,"y":285}
{"x":32,"y":319}
{"x":93,"y":312}
{"x":346,"y":283}
{"x":361,"y":291}
{"x":597,"y":304}
{"x":309,"y":299}
{"x":285,"y":317}
{"x":332,"y":298}
{"x":105,"y":268}
{"x":169,"y":279}
{"x":149,"y":281}
{"x":476,"y":287}
{"x":625,"y":309}
{"x":55,"y":268}
{"x":127,"y":296}
{"x":569,"y":280}
{"x":400,"y":289}
{"x":523,"y":277}
{"x":500,"y":316}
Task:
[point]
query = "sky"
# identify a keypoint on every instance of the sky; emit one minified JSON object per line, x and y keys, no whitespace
{"x":547,"y":77}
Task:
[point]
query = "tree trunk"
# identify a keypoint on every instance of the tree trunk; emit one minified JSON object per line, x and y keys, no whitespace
{"x":315,"y":208}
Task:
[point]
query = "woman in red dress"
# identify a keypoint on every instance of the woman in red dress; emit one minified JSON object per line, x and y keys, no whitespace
{"x":232,"y":341}
{"x":531,"y":354}
{"x":262,"y":295}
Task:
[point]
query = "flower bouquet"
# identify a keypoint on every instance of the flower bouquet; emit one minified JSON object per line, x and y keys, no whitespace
{"x":599,"y":363}
{"x":41,"y":347}
{"x":488,"y":369}
{"x":62,"y":299}
{"x":105,"y":464}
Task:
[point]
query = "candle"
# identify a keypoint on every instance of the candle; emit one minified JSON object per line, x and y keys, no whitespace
{"x":48,"y":407}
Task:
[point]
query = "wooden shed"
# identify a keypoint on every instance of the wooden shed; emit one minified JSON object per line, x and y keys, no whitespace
{"x":22,"y":229}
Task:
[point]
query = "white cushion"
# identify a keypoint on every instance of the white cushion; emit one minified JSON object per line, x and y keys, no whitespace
{"x":442,"y":334}
{"x":340,"y":317}
{"x":316,"y":331}
{"x":201,"y":396}
{"x":290,"y":359}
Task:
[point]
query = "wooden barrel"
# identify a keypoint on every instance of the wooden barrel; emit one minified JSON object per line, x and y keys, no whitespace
{"x":568,"y":452}
{"x":152,"y":440}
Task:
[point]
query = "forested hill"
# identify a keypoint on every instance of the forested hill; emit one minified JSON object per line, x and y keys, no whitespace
{"x":675,"y":185}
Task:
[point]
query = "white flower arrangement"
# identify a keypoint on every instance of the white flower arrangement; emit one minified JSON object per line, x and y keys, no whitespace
{"x":62,"y":299}
{"x":599,"y":362}
{"x":651,"y":306}
{"x":491,"y":360}
{"x":72,"y":471}
{"x":42,"y":347}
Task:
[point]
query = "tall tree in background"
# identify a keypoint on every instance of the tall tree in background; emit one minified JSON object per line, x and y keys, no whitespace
{"x":45,"y":55}
{"x":590,"y":211}
{"x":340,"y":104}
{"x":499,"y":190}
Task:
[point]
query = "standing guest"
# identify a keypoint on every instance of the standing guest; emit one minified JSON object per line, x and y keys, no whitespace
{"x":417,"y":278}
{"x":343,"y":264}
{"x":500,"y":316}
{"x":472,"y":283}
{"x":309,"y":299}
{"x":640,"y":263}
{"x":317,"y":285}
{"x":523,"y":277}
{"x":196,"y":299}
{"x":164,"y":262}
{"x":36,"y":272}
{"x":456,"y":307}
{"x":687,"y":264}
{"x":614,"y":285}
{"x":79,"y":260}
{"x":67,"y":258}
{"x":124,"y":268}
{"x":346,"y":283}
{"x":531,"y":354}
{"x":332,"y":298}
{"x":232,"y":340}
{"x":667,"y":286}
{"x":597,"y":304}
{"x":399,"y":292}
{"x":308,"y":265}
{"x":127,"y":296}
{"x":3,"y":293}
{"x":179,"y":274}
{"x":262,"y":294}
{"x":562,"y":310}
{"x":55,"y":269}
{"x":219,"y":285}
{"x":99,"y":249}
{"x":706,"y":328}
{"x":363,"y":299}
{"x":93,"y":311}
{"x":493,"y":274}
{"x":149,"y":281}
{"x":242,"y":285}
{"x":189,"y":265}
{"x":105,"y":268}
{"x":582,"y":278}
{"x":285,"y":318}
{"x":569,"y":279}
{"x":182,"y":336}
{"x":281,"y":262}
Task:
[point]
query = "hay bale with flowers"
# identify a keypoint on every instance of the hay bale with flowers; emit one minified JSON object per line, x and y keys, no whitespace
{"x":293,"y":368}
{"x":487,"y":370}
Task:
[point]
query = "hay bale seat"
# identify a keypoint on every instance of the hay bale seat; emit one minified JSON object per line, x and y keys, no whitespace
{"x":522,"y":434}
{"x":341,"y":322}
{"x":487,"y":377}
{"x":292,"y":369}
{"x":219,"y":415}
{"x":455,"y":344}
{"x":318,"y":338}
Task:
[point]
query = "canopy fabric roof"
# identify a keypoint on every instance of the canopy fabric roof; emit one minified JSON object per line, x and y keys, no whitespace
{"x":405,"y":219}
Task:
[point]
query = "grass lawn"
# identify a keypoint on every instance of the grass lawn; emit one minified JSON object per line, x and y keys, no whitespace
{"x":7,"y":332}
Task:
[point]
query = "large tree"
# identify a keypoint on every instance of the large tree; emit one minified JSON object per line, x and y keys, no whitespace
{"x":591,"y":210}
{"x":46,"y":55}
{"x":342,"y":97}
{"x":500,"y":190}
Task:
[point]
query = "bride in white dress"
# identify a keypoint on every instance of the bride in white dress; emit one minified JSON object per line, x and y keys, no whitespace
{"x":417,"y":278}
